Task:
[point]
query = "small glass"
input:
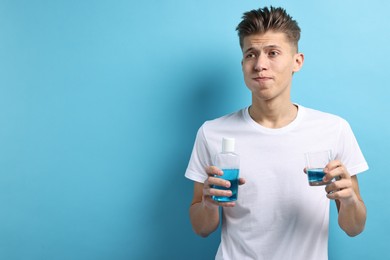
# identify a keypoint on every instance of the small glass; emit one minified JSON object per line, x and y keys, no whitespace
{"x":315,"y":164}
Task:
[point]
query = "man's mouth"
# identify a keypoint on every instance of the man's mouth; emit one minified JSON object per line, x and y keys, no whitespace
{"x":262,"y":78}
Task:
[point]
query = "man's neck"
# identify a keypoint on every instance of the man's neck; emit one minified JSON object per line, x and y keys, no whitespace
{"x":273,"y":114}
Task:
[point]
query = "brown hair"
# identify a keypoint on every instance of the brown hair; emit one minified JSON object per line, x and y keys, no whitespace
{"x":263,"y":20}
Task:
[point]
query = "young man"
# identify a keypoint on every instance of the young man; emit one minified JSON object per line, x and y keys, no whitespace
{"x":277,"y":214}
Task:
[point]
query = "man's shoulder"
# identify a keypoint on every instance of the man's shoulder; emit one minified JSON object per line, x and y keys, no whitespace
{"x":320,"y":115}
{"x":231,"y":118}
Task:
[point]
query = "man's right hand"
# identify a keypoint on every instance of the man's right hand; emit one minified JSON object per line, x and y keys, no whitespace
{"x":213,"y":180}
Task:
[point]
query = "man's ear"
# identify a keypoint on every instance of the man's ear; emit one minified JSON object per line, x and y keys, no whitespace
{"x":298,"y":62}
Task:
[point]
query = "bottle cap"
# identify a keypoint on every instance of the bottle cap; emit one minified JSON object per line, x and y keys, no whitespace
{"x":228,"y":145}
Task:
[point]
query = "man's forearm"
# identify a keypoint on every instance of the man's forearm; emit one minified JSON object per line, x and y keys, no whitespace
{"x":352,"y":217}
{"x":204,"y":219}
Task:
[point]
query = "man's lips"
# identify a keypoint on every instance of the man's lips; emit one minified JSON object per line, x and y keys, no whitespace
{"x":262,"y":78}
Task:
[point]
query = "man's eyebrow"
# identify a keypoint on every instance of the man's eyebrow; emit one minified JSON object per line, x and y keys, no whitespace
{"x":271,"y":46}
{"x":249,"y":50}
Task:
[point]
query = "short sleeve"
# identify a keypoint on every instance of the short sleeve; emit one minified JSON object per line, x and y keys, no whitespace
{"x":348,"y":151}
{"x":200,"y":158}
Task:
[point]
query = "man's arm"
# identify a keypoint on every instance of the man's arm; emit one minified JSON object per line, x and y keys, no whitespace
{"x":352,"y":216}
{"x":345,"y":191}
{"x":204,"y":218}
{"x":204,"y":211}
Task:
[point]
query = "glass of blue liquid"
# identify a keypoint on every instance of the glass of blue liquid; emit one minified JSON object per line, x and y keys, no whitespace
{"x":315,"y":164}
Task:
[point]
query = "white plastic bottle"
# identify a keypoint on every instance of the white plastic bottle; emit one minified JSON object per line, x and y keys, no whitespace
{"x":229,"y":162}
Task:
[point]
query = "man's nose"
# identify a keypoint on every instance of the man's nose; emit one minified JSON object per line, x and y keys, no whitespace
{"x":261,"y":63}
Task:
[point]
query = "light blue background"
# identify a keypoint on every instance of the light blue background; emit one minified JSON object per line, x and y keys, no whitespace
{"x":100,"y":102}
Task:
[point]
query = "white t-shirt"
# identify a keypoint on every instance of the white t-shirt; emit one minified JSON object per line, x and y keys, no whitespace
{"x":277,"y":214}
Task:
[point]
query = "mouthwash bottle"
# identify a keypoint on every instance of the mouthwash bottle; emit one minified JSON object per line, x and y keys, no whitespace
{"x":229,"y":163}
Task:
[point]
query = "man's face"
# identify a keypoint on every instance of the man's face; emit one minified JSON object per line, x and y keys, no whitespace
{"x":269,"y":61}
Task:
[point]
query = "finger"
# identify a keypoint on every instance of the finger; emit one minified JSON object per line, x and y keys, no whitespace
{"x":222,"y":204}
{"x":343,"y":172}
{"x":218,"y":182}
{"x":333,"y":164}
{"x":305,"y":170}
{"x":226,"y":204}
{"x":213,"y":170}
{"x":215,"y":187}
{"x":217,"y":192}
{"x":340,"y":194}
{"x":335,"y":173}
{"x":241,"y":181}
{"x":336,"y":165}
{"x":220,"y":193}
{"x":334,"y":195}
{"x":336,"y":186}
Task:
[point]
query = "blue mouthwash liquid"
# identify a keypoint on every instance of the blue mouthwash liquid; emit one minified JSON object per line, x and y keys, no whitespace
{"x":315,"y":176}
{"x":232,"y":176}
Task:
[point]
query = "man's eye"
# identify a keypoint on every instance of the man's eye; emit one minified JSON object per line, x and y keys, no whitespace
{"x":250,"y":56}
{"x":273,"y":53}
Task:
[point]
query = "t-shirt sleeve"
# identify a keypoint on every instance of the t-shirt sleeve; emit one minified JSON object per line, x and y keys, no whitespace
{"x":349,"y":152}
{"x":200,"y":158}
